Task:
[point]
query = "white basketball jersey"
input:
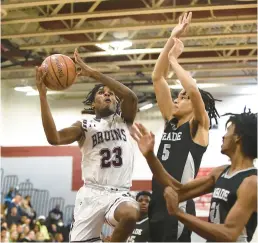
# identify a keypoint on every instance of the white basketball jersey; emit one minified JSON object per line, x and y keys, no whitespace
{"x":107,"y":152}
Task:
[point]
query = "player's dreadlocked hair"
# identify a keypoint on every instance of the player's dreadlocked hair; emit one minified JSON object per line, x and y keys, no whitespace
{"x":246,"y":127}
{"x":90,"y":99}
{"x":209,"y":103}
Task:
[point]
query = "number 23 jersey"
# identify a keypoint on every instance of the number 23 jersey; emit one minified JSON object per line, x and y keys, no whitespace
{"x":107,"y":152}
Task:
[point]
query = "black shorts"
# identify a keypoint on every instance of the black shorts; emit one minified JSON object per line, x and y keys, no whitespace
{"x":165,"y":229}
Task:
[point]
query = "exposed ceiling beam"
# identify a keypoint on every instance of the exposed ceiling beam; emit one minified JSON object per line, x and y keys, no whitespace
{"x":158,"y":50}
{"x":11,"y":6}
{"x":137,"y":41}
{"x":127,"y":12}
{"x":144,"y":70}
{"x":181,"y":60}
{"x":138,"y":26}
{"x":234,"y":80}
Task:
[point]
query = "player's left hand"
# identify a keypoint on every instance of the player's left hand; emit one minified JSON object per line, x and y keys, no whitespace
{"x":176,"y":50}
{"x":171,"y":198}
{"x":183,"y":23}
{"x":85,"y":69}
{"x":143,"y":137}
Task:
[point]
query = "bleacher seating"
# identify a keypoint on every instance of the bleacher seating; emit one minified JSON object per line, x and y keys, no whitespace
{"x":40,"y":199}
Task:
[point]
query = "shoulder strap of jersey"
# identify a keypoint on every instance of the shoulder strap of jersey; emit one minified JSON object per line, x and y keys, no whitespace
{"x":224,"y":171}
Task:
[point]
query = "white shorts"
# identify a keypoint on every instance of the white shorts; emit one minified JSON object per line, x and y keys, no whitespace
{"x":95,"y":205}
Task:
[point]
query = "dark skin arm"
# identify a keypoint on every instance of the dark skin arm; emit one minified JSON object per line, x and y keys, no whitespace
{"x":192,"y":189}
{"x":65,"y":136}
{"x":129,"y":100}
{"x":235,"y":221}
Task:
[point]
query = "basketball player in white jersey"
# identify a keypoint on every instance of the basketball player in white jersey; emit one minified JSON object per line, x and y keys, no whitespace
{"x":107,"y":157}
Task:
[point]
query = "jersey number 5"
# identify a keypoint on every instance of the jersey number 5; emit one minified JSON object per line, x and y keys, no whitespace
{"x":165,"y":153}
{"x":111,"y":157}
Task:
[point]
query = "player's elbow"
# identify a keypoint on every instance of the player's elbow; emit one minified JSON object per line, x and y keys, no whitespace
{"x":53,"y":140}
{"x":228,"y":235}
{"x":192,"y":89}
{"x":228,"y":238}
{"x":156,"y":77}
{"x":134,"y":98}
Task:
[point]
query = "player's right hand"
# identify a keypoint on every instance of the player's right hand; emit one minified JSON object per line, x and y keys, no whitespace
{"x":40,"y":77}
{"x":143,"y":137}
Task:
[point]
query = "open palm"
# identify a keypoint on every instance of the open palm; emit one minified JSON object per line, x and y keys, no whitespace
{"x":183,"y":23}
{"x":143,"y":137}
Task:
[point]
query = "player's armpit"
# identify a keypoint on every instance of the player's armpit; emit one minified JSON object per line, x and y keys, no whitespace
{"x":69,"y":135}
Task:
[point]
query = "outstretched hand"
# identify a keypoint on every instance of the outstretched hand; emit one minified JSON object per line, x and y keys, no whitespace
{"x":85,"y":69}
{"x":176,"y":50}
{"x":183,"y":23}
{"x":40,"y":78}
{"x":143,"y":137}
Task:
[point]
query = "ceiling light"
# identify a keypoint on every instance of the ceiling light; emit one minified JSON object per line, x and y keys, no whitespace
{"x":146,"y":107}
{"x":115,"y":45}
{"x":35,"y":93}
{"x":24,"y":89}
{"x":201,"y":86}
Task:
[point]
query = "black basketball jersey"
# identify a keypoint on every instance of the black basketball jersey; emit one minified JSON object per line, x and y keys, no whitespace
{"x":224,"y":197}
{"x":141,"y":231}
{"x":181,"y":158}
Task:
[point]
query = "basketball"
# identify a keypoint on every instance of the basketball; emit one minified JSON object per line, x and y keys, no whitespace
{"x":61,"y":72}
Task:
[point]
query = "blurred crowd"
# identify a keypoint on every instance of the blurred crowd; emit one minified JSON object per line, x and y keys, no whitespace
{"x":20,"y":222}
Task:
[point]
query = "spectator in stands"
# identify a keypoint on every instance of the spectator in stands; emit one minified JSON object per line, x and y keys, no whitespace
{"x":13,"y":236}
{"x":36,"y":228}
{"x":13,"y":227}
{"x":43,"y":229}
{"x":30,"y":237}
{"x":3,"y":212}
{"x":9,"y":197}
{"x":25,"y":220}
{"x":4,"y":236}
{"x":19,"y":228}
{"x":20,"y":231}
{"x":52,"y":228}
{"x":16,"y":201}
{"x":26,"y":209}
{"x":55,"y":215}
{"x":4,"y":224}
{"x":26,"y":229}
{"x":40,"y":237}
{"x":59,"y":237}
{"x":13,"y":217}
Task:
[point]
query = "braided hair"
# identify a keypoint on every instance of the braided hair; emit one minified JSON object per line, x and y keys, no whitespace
{"x":246,"y":127}
{"x":209,"y":103}
{"x":210,"y":107}
{"x":91,"y":97}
